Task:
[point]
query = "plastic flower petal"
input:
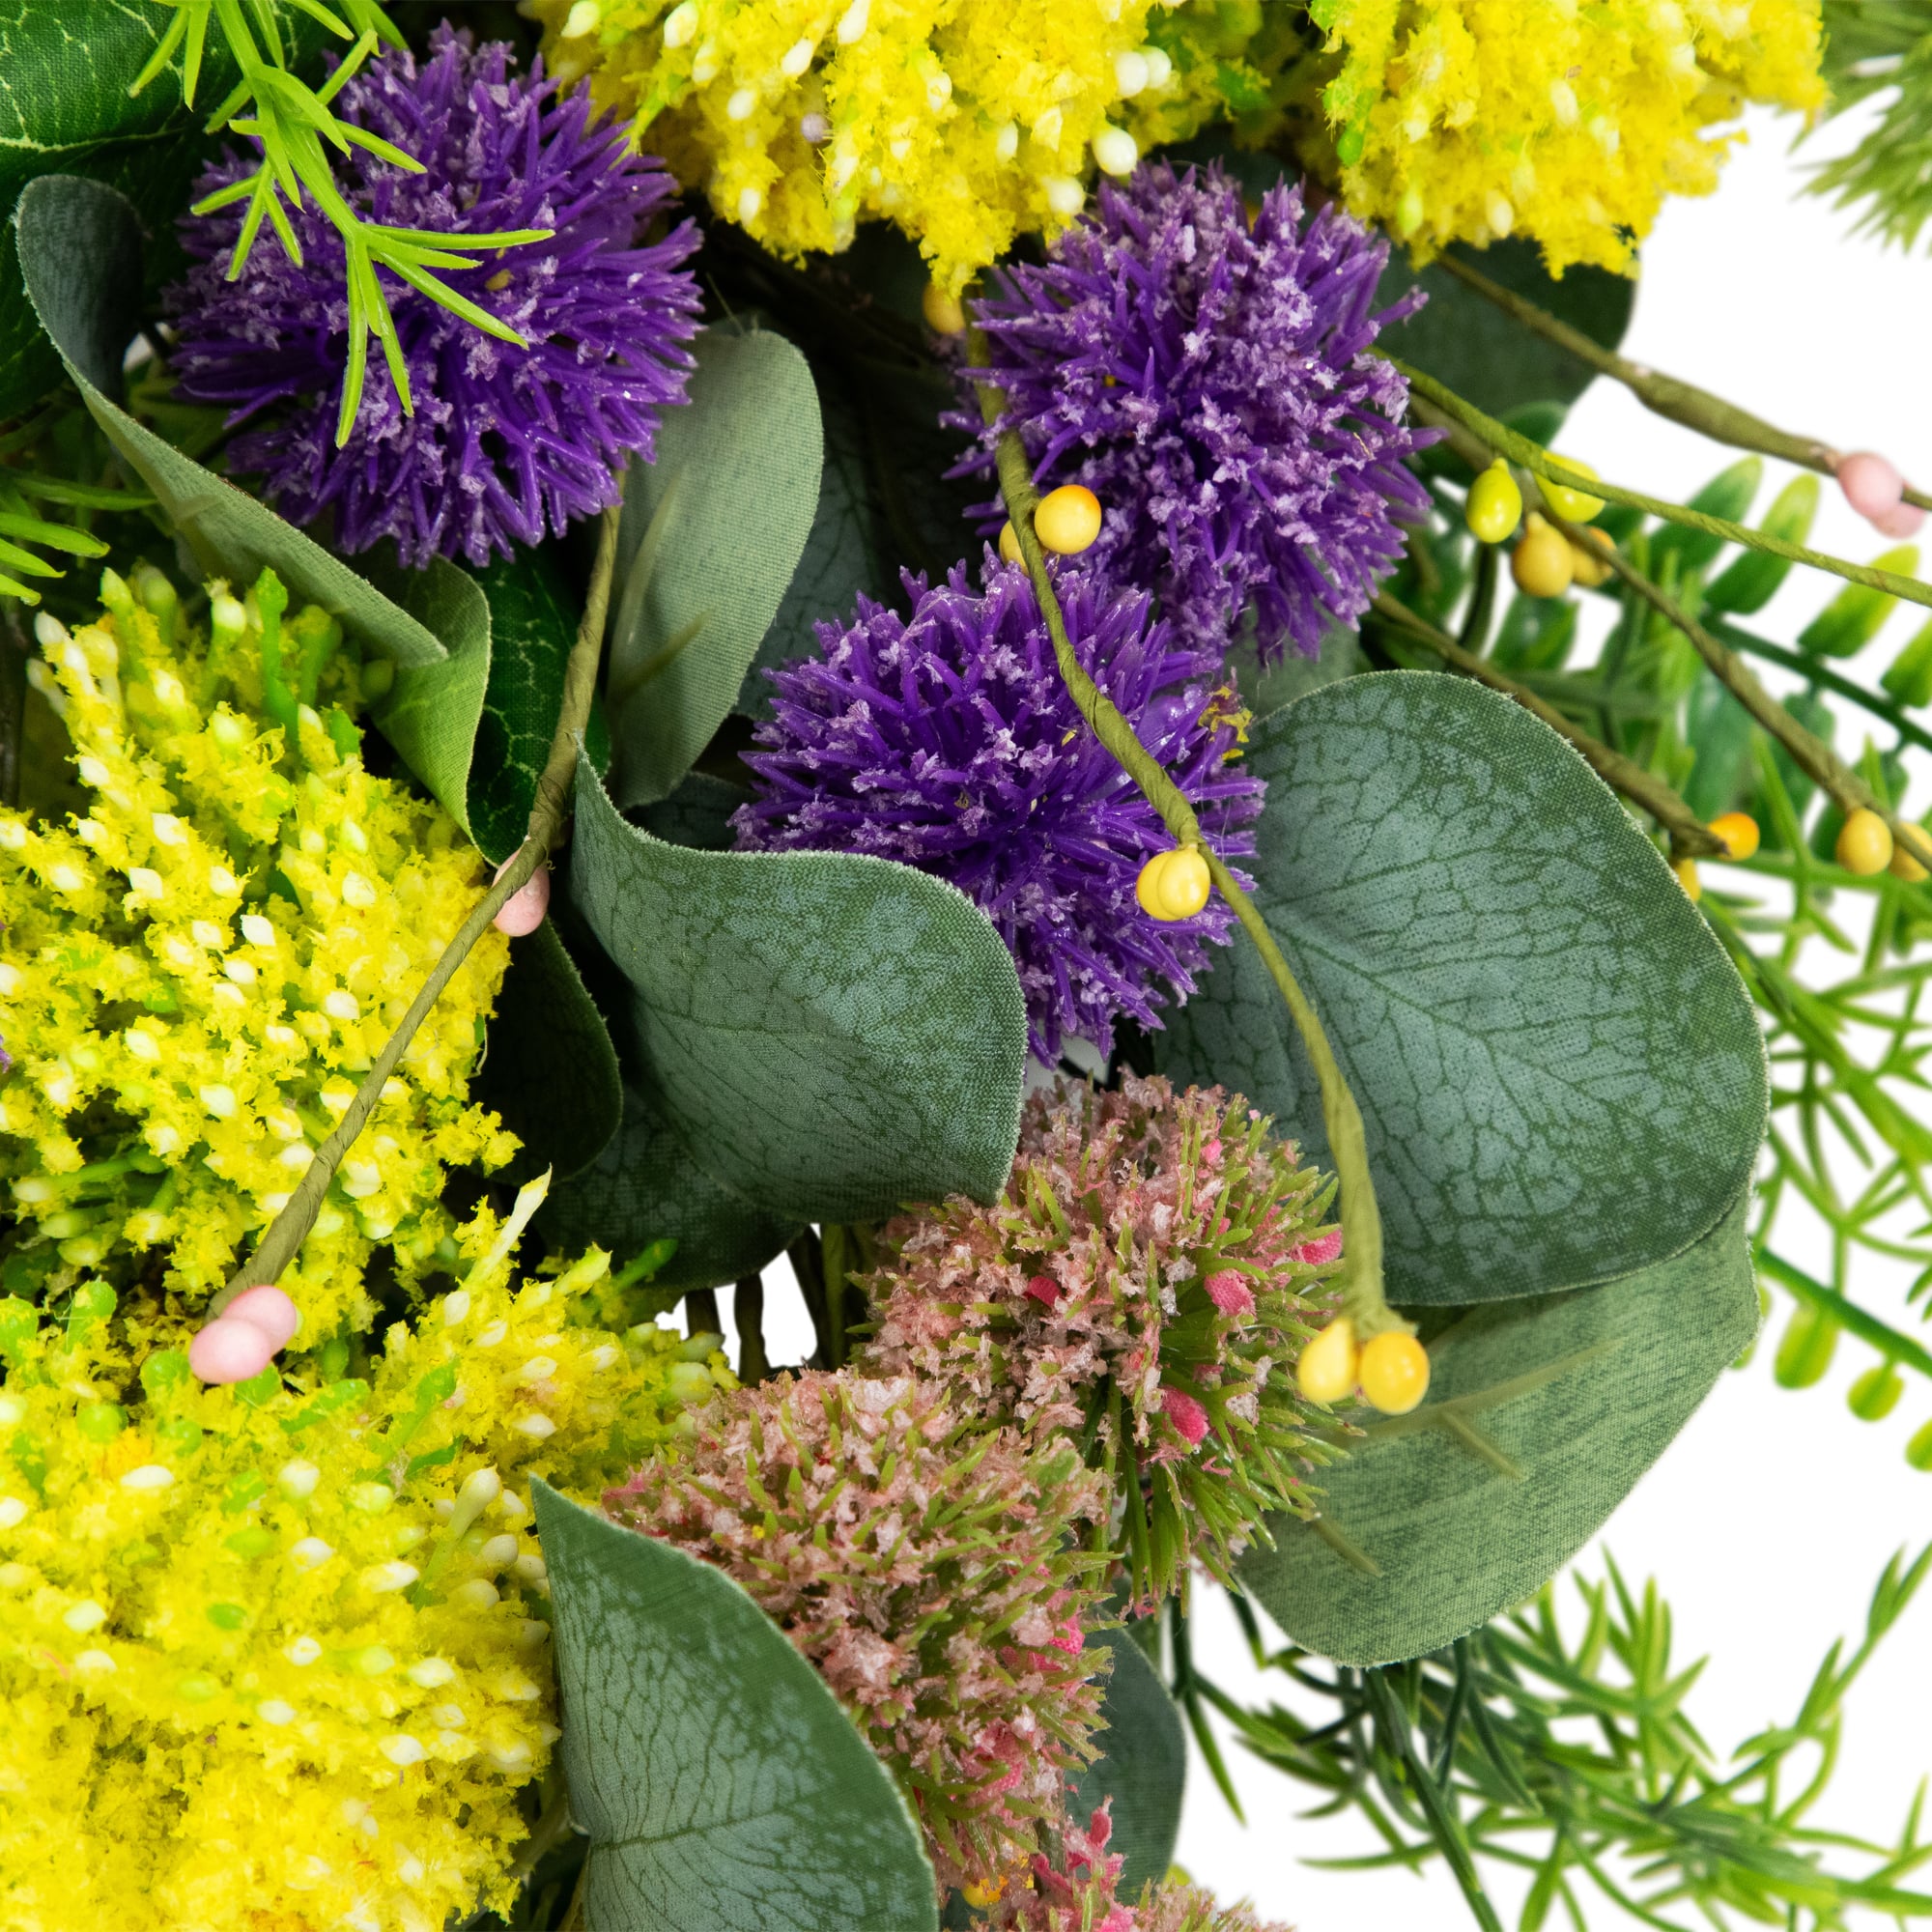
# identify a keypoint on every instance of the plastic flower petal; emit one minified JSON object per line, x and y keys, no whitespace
{"x":1211,"y":382}
{"x":505,"y":441}
{"x":1173,"y":1230}
{"x":928,"y":1566}
{"x":949,"y":742}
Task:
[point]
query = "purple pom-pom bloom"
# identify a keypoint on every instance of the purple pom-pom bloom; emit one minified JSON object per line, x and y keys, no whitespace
{"x":1210,"y":384}
{"x":949,"y":742}
{"x":505,"y":441}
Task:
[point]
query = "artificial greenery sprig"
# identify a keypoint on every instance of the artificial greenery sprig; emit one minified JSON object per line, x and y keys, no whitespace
{"x":291,"y":120}
{"x":1574,"y":1761}
{"x":549,"y":813}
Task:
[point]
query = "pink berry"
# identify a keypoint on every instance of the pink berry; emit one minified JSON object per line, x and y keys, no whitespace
{"x":267,"y":1309}
{"x":1871,"y":483}
{"x":1230,"y":1293}
{"x":525,"y":909}
{"x":1903,"y":519}
{"x":230,"y":1351}
{"x":1186,"y":1414}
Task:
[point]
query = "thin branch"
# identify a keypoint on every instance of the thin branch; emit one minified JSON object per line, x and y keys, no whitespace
{"x":1538,"y":460}
{"x":1663,"y":396}
{"x":1362,"y":1297}
{"x":290,"y":1227}
{"x":1689,"y":837}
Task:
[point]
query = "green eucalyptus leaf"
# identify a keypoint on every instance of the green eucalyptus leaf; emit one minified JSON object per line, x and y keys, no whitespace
{"x":1564,"y":1400}
{"x":66,"y":110}
{"x":1559,"y":1071}
{"x":550,"y":1072}
{"x":1462,"y":339}
{"x":80,"y":254}
{"x":645,"y":1187}
{"x":723,"y":1788}
{"x":1141,"y":1769}
{"x":829,"y":1035}
{"x":712,"y":532}
{"x":699,"y":812}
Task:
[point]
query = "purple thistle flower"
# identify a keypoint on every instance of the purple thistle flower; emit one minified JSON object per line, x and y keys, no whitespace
{"x":1210,"y":384}
{"x":949,"y":742}
{"x":505,"y":441}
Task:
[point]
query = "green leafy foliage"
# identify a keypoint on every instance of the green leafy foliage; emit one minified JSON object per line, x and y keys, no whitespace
{"x":1537,"y":1027}
{"x":823,"y":1035}
{"x":1577,"y":1760}
{"x":1541,"y":1413}
{"x":1142,"y":1768}
{"x":712,"y":533}
{"x":723,"y":1788}
{"x":1881,"y":50}
{"x":1484,"y":356}
{"x":66,"y":110}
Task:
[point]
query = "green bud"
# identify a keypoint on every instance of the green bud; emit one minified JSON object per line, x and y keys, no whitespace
{"x":100,"y":1421}
{"x":244,"y":1490}
{"x":689,"y":1381}
{"x":198,"y":1688}
{"x":166,"y":1369}
{"x":332,"y":1359}
{"x":227,"y":1616}
{"x":181,"y":1437}
{"x":1876,"y":1393}
{"x":1805,"y":1352}
{"x":251,"y":1544}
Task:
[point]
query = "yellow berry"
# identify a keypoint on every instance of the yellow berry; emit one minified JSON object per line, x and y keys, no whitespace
{"x":1904,"y":863}
{"x":1587,"y":567}
{"x":1686,"y":877}
{"x":1326,"y":1370}
{"x":1009,"y":543}
{"x":1543,"y":563}
{"x":1067,"y":520}
{"x":1147,"y":888}
{"x":1394,"y":1371}
{"x":1864,"y":844}
{"x":1185,"y":884}
{"x":1739,"y":832}
{"x":1494,"y":504}
{"x":944,"y":314}
{"x":1573,"y":507}
{"x":980,"y":1895}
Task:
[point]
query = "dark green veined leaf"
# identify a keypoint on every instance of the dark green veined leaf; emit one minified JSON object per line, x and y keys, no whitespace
{"x":65,"y":109}
{"x":1561,"y":1073}
{"x":712,"y":533}
{"x":1143,"y":1767}
{"x":1573,"y":1397}
{"x":829,"y":1035}
{"x":722,"y":1787}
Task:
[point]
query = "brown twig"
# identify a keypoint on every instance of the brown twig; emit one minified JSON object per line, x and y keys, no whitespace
{"x":1689,"y":837}
{"x":549,"y":813}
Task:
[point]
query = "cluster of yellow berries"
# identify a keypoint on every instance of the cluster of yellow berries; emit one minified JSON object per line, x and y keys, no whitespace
{"x":198,"y":967}
{"x":1174,"y":885}
{"x":1390,"y":1369}
{"x":276,"y":1655}
{"x":1545,"y":562}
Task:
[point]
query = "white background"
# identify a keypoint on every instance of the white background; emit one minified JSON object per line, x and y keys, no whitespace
{"x":1768,"y":1521}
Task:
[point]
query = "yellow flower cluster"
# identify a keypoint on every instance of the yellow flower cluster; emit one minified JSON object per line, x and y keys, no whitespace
{"x":967,"y":122}
{"x":198,"y":967}
{"x":274,"y":1657}
{"x":1470,"y":120}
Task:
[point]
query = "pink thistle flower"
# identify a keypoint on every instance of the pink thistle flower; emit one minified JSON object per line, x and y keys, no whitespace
{"x":1321,"y":1252}
{"x":1122,"y":1267}
{"x":814,"y":1493}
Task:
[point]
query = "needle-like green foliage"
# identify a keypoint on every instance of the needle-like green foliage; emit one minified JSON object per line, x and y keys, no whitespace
{"x":296,"y":127}
{"x":1573,"y":1759}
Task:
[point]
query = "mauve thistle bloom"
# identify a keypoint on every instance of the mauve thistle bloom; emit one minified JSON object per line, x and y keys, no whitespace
{"x":949,"y":742}
{"x":930,"y":1567}
{"x":506,"y":443}
{"x":1153,"y":1270}
{"x":1210,"y":383}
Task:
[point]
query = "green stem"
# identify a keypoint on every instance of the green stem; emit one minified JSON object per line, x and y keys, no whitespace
{"x":1538,"y":460}
{"x":1689,"y":836}
{"x":1362,"y":1297}
{"x":290,"y":1227}
{"x":1848,"y":1315}
{"x":1813,"y":671}
{"x":1663,"y":396}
